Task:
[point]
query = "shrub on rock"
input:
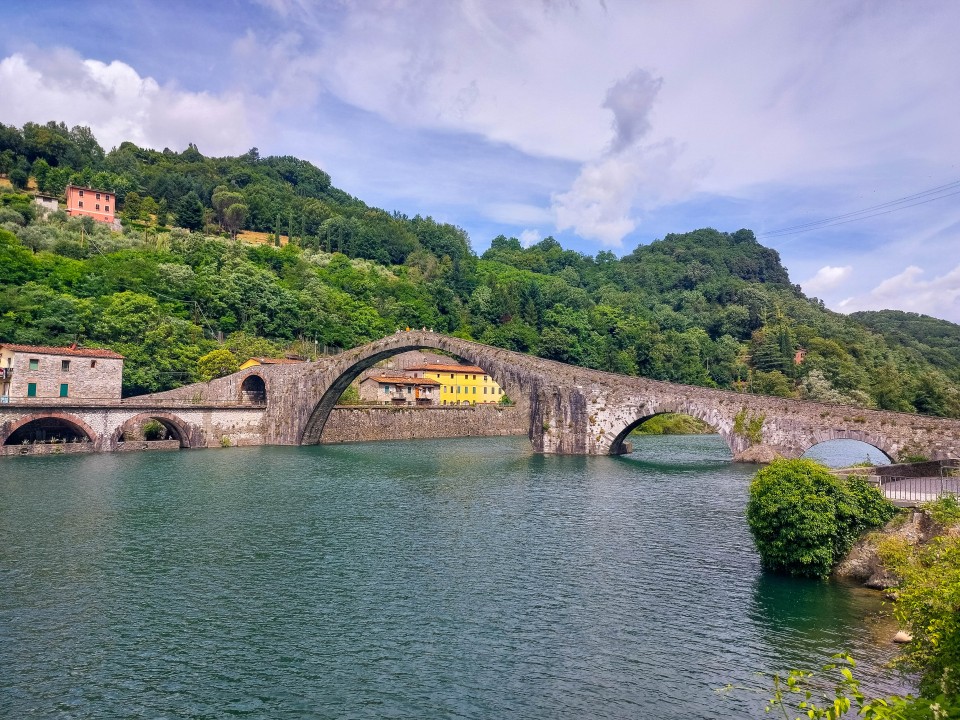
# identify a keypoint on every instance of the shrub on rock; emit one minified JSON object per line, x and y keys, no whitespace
{"x":804,"y":519}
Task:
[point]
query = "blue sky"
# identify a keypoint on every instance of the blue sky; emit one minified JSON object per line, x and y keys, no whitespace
{"x":604,"y":123}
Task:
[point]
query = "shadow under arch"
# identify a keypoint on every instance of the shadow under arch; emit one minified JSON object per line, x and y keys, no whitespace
{"x":313,"y":430}
{"x":49,"y":427}
{"x":253,"y":390}
{"x":179,"y":430}
{"x":621,"y":445}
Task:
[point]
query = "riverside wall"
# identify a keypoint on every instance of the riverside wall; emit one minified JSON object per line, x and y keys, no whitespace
{"x":366,"y":423}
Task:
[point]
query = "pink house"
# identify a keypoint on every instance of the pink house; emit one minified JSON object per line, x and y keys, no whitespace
{"x":98,"y":204}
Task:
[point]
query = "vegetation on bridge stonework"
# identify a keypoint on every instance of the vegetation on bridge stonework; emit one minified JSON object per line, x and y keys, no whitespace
{"x":705,"y":308}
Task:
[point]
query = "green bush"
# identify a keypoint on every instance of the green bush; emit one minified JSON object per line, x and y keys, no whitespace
{"x":804,"y":519}
{"x":928,"y":604}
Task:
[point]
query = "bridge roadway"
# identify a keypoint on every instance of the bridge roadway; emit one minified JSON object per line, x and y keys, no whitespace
{"x":571,"y":410}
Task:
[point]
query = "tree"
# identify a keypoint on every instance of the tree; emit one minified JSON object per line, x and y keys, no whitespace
{"x":217,"y":363}
{"x":234,"y":217}
{"x":19,"y":178}
{"x":190,"y":212}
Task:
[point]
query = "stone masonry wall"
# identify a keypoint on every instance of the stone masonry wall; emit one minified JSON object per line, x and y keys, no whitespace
{"x":359,"y":424}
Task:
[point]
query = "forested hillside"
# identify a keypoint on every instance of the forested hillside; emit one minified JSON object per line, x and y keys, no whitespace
{"x":183,"y":300}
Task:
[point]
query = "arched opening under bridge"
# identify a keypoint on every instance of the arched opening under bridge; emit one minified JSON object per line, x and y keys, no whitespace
{"x":50,"y":429}
{"x":672,"y":438}
{"x":422,"y":376}
{"x":253,"y":390}
{"x":846,"y":452}
{"x":153,"y":427}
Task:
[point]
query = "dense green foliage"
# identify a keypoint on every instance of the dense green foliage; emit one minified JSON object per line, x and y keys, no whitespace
{"x":938,"y":341}
{"x":835,"y":693}
{"x":705,"y":307}
{"x":804,"y":519}
{"x":673,"y":424}
{"x":928,"y":601}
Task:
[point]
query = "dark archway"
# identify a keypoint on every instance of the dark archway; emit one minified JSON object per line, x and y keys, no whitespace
{"x":313,"y":429}
{"x":253,"y":390}
{"x":49,"y":429}
{"x":173,"y":429}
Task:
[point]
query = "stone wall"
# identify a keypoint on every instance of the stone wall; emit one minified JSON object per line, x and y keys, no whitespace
{"x":359,"y":424}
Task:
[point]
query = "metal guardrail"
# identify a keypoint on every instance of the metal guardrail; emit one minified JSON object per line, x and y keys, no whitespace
{"x":925,"y":488}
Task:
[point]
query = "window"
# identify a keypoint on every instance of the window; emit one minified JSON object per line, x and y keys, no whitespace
{"x":98,"y":197}
{"x":93,"y":363}
{"x":106,"y":208}
{"x":386,"y":389}
{"x":451,"y":376}
{"x":98,"y":206}
{"x":474,"y":377}
{"x":34,"y":363}
{"x":31,"y":389}
{"x":81,"y":203}
{"x":63,"y":389}
{"x":474,"y":389}
{"x":64,"y":365}
{"x":81,"y":193}
{"x":484,"y":389}
{"x":484,"y":378}
{"x":107,"y":198}
{"x":409,"y":389}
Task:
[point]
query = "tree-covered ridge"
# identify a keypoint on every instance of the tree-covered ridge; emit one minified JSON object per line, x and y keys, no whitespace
{"x":705,"y":307}
{"x":935,"y":340}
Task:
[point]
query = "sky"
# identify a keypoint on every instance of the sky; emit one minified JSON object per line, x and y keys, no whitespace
{"x":606,"y":124}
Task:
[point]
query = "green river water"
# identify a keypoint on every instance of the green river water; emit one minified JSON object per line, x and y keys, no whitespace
{"x":431,"y":579}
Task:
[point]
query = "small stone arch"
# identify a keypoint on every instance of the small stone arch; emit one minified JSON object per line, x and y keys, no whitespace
{"x":620,"y":446}
{"x":38,"y":427}
{"x":317,"y":417}
{"x":828,"y":434}
{"x":187,"y":434}
{"x":253,"y":390}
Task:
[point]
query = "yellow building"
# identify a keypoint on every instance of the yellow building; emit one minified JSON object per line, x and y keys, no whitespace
{"x":460,"y":384}
{"x":254,"y":361}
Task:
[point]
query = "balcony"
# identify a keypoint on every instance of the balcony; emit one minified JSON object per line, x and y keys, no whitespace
{"x":6,"y":373}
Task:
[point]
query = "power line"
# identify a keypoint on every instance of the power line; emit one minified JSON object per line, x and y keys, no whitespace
{"x":908,"y":201}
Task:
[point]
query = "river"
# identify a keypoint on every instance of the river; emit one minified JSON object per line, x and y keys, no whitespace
{"x":465,"y":578}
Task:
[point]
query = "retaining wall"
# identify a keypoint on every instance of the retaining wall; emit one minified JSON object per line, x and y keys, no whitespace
{"x":360,"y":424}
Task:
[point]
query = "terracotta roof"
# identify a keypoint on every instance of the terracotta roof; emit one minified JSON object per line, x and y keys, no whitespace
{"x":402,"y":380}
{"x":276,"y":361}
{"x":71,"y":350}
{"x":449,"y":368}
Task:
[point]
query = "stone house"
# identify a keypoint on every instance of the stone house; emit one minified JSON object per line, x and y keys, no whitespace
{"x":399,"y":390}
{"x":101,"y":205}
{"x":32,"y":372}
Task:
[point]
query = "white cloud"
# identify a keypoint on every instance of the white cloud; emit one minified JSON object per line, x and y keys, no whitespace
{"x":827,"y":278}
{"x":118,"y":104}
{"x":939,"y":296}
{"x":530,"y":237}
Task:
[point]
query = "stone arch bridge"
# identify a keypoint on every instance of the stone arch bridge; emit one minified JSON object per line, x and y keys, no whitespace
{"x":571,"y":410}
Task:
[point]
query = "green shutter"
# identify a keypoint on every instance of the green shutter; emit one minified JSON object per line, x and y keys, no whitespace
{"x":31,"y":389}
{"x":63,"y":389}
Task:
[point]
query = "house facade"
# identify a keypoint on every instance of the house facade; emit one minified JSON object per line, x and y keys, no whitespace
{"x":37,"y":373}
{"x":460,"y":384}
{"x":254,"y":361}
{"x":399,"y":390}
{"x":101,"y":205}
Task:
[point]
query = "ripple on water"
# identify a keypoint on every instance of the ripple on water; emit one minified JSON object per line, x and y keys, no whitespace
{"x":463,"y":578}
